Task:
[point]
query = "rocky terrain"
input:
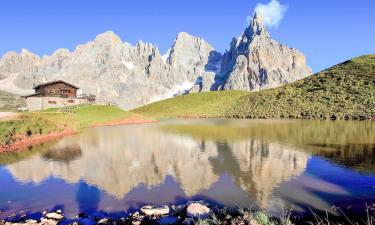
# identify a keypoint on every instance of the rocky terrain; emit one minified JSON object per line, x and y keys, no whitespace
{"x":133,"y":76}
{"x":9,"y":102}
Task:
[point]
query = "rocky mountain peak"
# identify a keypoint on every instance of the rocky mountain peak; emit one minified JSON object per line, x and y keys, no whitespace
{"x":61,"y":51}
{"x":108,"y":38}
{"x":136,"y":75}
{"x":256,"y":26}
{"x":189,"y":50}
{"x":183,"y":37}
{"x":255,"y":61}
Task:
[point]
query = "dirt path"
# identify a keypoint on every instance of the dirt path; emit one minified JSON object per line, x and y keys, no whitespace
{"x":5,"y":116}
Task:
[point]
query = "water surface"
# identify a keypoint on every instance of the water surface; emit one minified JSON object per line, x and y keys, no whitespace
{"x":274,"y":164}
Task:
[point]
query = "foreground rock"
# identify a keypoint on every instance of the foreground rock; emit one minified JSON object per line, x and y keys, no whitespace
{"x":191,"y":213}
{"x":155,"y":210}
{"x":197,"y":210}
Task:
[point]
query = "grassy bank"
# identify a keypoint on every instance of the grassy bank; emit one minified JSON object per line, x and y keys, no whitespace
{"x":345,"y":91}
{"x":52,"y":121}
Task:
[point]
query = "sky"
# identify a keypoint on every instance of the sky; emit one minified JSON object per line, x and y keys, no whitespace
{"x":326,"y":31}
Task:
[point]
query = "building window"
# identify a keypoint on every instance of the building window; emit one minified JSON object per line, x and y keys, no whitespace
{"x":52,"y":102}
{"x":71,"y":101}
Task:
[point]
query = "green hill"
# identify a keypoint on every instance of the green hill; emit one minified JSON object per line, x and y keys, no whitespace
{"x":345,"y":91}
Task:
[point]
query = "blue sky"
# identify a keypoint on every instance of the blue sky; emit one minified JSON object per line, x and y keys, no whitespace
{"x":327,"y":31}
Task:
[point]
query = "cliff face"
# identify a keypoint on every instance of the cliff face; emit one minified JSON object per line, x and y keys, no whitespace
{"x":255,"y":61}
{"x":113,"y":70}
{"x":133,"y":76}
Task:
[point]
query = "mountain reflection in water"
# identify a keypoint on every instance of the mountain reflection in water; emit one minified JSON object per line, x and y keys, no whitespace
{"x":225,"y":161}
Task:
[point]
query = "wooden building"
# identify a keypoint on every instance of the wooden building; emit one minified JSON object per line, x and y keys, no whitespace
{"x":55,"y":94}
{"x":58,"y":88}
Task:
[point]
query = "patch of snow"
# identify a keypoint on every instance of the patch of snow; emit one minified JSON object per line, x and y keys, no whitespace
{"x":8,"y":85}
{"x":129,"y":65}
{"x":166,"y":56}
{"x":185,"y":86}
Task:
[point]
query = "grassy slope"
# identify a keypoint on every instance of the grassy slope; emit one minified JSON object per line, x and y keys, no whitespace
{"x":208,"y":104}
{"x":50,"y":121}
{"x":343,"y":91}
{"x":9,"y":102}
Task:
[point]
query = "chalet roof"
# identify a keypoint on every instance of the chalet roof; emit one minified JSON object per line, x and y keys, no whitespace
{"x":54,"y":82}
{"x":31,"y":95}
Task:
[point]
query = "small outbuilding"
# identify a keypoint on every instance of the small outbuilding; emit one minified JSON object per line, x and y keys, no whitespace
{"x":55,"y":94}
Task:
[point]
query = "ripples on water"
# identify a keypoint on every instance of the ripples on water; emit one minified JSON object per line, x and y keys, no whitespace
{"x":274,"y":164}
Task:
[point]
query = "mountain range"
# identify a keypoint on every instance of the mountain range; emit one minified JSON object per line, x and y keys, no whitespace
{"x":132,"y":76}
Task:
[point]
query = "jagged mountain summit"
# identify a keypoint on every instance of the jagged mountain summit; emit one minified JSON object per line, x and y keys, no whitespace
{"x":113,"y":70}
{"x":133,"y":76}
{"x":255,"y":61}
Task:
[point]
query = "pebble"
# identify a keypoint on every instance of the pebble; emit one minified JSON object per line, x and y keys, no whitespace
{"x":103,"y":221}
{"x":54,"y":216}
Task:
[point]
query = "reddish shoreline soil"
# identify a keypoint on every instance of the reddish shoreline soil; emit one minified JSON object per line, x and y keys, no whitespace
{"x":25,"y":142}
{"x":127,"y":121}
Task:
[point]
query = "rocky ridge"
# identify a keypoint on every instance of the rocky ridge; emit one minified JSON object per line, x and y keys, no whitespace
{"x":133,"y":76}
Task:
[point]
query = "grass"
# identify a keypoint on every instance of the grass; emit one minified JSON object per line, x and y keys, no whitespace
{"x":50,"y":121}
{"x":26,"y":125}
{"x":345,"y":91}
{"x":242,"y":216}
{"x":261,"y":217}
{"x":202,"y":105}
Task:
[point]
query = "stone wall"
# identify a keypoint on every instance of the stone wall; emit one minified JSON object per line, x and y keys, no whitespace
{"x":42,"y":103}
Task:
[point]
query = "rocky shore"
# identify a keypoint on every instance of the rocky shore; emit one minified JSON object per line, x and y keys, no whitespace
{"x":190,"y":213}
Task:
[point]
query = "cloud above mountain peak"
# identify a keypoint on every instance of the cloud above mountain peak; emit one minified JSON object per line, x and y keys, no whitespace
{"x":272,"y":12}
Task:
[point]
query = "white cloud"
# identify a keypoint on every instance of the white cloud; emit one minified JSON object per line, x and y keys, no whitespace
{"x":272,"y":12}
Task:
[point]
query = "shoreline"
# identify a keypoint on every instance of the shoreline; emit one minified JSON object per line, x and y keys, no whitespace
{"x":193,"y":212}
{"x":22,"y":143}
{"x":25,"y":142}
{"x":126,"y":121}
{"x":190,"y":213}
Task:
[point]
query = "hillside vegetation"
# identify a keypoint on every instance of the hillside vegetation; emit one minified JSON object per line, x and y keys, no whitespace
{"x":345,"y":91}
{"x":51,"y":121}
{"x":207,"y":104}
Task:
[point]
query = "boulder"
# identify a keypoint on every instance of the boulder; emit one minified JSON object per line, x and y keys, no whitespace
{"x":197,"y":210}
{"x":155,"y":210}
{"x":54,"y":216}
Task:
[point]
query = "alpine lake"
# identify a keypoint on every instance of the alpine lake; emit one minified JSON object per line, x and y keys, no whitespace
{"x":304,"y":166}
